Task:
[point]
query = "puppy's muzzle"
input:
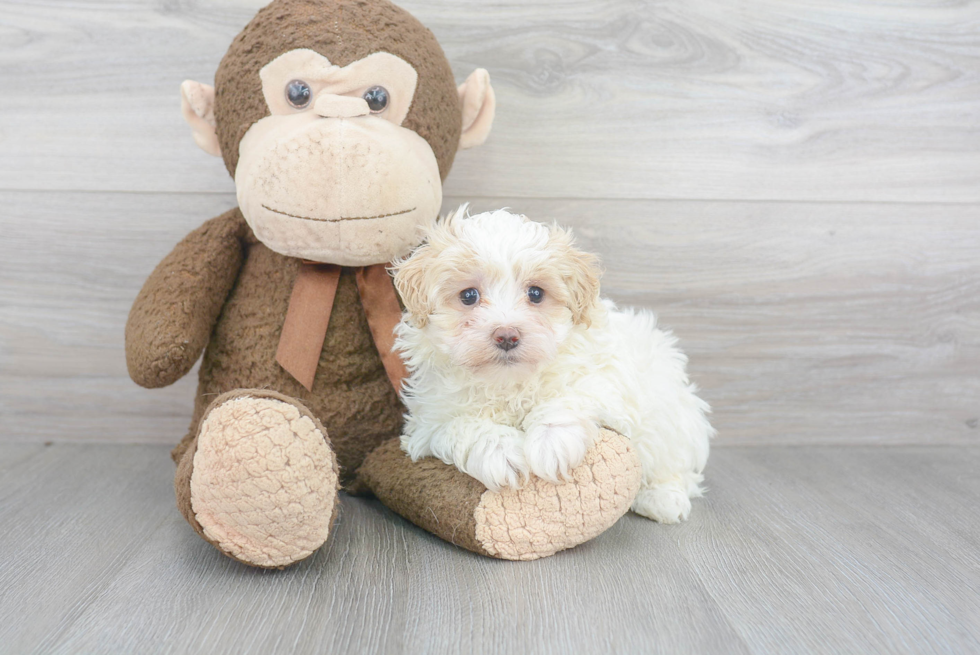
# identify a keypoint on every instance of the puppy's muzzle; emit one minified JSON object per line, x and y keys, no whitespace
{"x":506,"y":338}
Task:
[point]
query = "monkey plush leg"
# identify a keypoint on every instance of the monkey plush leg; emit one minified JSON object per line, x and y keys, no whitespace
{"x":518,"y":524}
{"x":260,"y":481}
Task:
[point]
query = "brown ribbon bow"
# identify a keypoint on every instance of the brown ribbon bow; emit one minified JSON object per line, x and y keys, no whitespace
{"x":308,"y":316}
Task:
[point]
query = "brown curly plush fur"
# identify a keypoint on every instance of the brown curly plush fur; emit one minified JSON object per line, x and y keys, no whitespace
{"x":351,"y":393}
{"x":352,"y":400}
{"x":223,"y":292}
{"x":171,"y":319}
{"x":223,"y":262}
{"x":343,"y":32}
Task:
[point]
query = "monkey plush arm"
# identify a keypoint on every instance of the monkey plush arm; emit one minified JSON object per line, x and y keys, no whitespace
{"x":173,"y":315}
{"x":534,"y":521}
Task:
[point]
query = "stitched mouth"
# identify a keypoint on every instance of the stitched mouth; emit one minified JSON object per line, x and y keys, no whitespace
{"x":337,"y":220}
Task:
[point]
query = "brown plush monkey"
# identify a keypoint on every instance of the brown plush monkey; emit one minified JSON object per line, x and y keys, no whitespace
{"x":338,"y":119}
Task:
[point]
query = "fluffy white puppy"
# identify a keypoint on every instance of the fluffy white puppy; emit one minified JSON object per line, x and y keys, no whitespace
{"x":516,"y":362}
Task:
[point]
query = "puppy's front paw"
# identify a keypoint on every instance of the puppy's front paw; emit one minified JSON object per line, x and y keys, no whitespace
{"x":497,"y":463}
{"x":555,"y":448}
{"x":665,"y":503}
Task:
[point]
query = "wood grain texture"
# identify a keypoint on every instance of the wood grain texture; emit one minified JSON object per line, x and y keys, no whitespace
{"x":804,"y":322}
{"x":847,"y":543}
{"x":73,"y":517}
{"x":803,"y":549}
{"x":699,"y":99}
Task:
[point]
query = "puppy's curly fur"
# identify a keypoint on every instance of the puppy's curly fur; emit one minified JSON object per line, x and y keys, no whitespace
{"x":516,"y":375}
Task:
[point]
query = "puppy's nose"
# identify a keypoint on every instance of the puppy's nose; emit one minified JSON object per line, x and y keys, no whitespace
{"x":506,"y":338}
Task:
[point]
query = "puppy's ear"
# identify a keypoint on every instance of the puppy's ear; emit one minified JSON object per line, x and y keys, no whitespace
{"x":411,"y":283}
{"x":580,"y":271}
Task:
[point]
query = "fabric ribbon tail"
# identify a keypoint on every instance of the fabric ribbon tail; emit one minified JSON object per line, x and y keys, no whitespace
{"x":307,"y":318}
{"x":383,"y":313}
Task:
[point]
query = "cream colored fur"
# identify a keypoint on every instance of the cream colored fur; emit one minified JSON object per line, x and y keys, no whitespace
{"x":325,"y":79}
{"x":479,"y":104}
{"x":264,"y":483}
{"x":197,"y":108}
{"x":581,"y":364}
{"x":332,"y":181}
{"x":541,"y":518}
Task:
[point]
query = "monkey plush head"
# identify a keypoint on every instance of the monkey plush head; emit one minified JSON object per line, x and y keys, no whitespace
{"x":338,"y":119}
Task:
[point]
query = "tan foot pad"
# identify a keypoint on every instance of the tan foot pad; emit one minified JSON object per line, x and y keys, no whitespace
{"x":264,"y":484}
{"x":542,"y":518}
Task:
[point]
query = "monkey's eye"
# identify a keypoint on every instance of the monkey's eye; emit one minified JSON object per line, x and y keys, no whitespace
{"x":535,"y":294}
{"x":298,"y":94}
{"x":376,"y":98}
{"x":469,"y":296}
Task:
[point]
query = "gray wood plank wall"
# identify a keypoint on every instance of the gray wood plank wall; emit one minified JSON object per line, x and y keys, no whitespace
{"x":793,"y":185}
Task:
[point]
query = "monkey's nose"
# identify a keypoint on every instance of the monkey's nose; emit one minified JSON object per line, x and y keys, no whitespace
{"x":329,"y":105}
{"x":506,"y":338}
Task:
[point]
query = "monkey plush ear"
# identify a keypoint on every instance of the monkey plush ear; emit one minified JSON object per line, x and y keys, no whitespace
{"x":197,"y":106}
{"x":478,"y":103}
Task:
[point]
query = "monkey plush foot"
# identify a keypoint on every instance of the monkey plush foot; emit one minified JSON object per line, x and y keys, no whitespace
{"x":535,"y":521}
{"x":260,"y":481}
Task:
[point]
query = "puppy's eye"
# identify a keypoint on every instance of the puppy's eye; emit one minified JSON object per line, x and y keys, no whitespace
{"x":298,"y":94}
{"x":469,"y":296}
{"x":535,"y":294}
{"x":377,"y":99}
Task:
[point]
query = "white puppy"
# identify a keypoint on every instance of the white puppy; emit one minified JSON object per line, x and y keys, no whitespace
{"x":515,"y":363}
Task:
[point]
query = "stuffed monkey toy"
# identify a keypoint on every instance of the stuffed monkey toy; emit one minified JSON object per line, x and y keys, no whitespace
{"x":339,"y":120}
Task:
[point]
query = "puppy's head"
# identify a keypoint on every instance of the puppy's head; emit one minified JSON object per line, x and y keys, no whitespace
{"x":497,"y":292}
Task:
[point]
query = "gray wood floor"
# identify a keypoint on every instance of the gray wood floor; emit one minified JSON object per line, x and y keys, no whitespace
{"x":793,"y":550}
